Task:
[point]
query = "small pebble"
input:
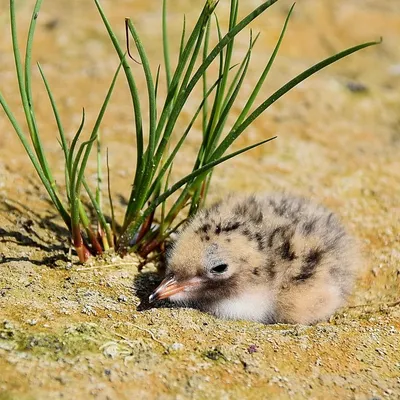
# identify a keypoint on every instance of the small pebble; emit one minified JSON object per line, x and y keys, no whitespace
{"x":122,"y":298}
{"x":252,"y":349}
{"x":8,"y":325}
{"x":88,"y":310}
{"x":177,"y":346}
{"x":356,"y":87}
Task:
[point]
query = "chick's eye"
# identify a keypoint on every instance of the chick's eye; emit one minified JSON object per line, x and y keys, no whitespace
{"x":219,"y":269}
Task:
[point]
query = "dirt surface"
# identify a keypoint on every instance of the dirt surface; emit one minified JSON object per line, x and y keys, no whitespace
{"x":71,"y":331}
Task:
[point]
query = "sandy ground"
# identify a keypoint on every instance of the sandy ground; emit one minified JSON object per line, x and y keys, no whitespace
{"x":72,"y":332}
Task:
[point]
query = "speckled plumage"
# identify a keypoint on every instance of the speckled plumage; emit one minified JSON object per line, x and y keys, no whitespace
{"x":271,"y":258}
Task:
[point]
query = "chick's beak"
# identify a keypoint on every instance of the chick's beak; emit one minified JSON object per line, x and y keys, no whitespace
{"x":170,"y":286}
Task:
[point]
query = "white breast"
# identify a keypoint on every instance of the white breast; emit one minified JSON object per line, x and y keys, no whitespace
{"x":258,"y":305}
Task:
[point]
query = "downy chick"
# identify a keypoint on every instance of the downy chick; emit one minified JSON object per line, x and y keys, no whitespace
{"x":273,"y":258}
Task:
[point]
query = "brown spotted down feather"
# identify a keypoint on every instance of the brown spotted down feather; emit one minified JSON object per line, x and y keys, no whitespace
{"x":274,"y":258}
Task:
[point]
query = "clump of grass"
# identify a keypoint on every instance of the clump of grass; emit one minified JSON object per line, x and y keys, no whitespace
{"x":148,"y":222}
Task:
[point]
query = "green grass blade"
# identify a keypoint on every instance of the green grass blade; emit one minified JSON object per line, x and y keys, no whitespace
{"x":264,"y":74}
{"x":135,"y":101}
{"x":234,"y":133}
{"x":193,"y":58}
{"x":76,"y":178}
{"x":157,"y":81}
{"x":39,"y":161}
{"x":129,"y":77}
{"x":75,"y":139}
{"x":205,"y":51}
{"x":173,"y":154}
{"x":149,"y":169}
{"x":113,"y":224}
{"x":93,"y":136}
{"x":98,"y":210}
{"x":227,"y":61}
{"x":18,"y":66}
{"x":213,"y":114}
{"x":60,"y":127}
{"x":195,"y":200}
{"x":149,"y":81}
{"x":79,"y":166}
{"x":105,"y":102}
{"x":206,"y":188}
{"x":238,"y":74}
{"x":204,"y":15}
{"x":63,"y":139}
{"x":217,"y":131}
{"x":37,"y":143}
{"x":210,"y":138}
{"x":28,"y":51}
{"x":182,"y":42}
{"x":46,"y":183}
{"x":179,"y":204}
{"x":167,"y":61}
{"x":24,"y":83}
{"x":234,"y":13}
{"x":99,"y":179}
{"x":163,"y":205}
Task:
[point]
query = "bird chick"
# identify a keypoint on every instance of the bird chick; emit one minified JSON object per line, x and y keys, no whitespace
{"x":273,"y":258}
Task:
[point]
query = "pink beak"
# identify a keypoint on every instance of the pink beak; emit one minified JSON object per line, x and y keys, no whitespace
{"x":170,"y":286}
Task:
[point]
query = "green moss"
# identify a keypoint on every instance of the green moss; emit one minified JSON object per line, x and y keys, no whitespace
{"x":70,"y":342}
